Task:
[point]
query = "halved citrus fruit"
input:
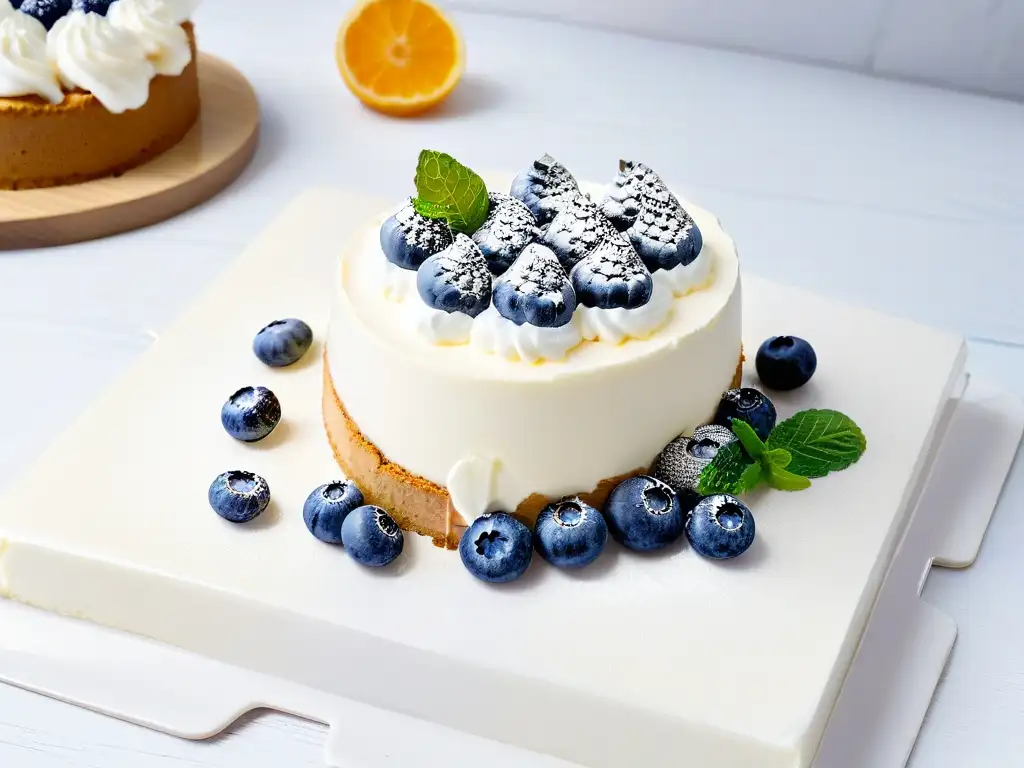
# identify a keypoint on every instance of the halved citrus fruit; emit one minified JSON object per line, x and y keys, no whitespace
{"x":400,"y":57}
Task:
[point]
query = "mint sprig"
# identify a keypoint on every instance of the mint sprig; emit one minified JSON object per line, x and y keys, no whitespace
{"x":446,"y":189}
{"x":810,"y":444}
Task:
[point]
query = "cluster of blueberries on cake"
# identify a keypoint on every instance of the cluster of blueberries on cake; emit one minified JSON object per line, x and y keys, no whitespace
{"x":48,"y":12}
{"x":547,"y":247}
{"x":643,"y":513}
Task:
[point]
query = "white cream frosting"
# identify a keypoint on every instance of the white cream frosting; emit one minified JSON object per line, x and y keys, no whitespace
{"x":555,"y":428}
{"x":157,"y":25}
{"x":398,"y":283}
{"x":470,"y":485}
{"x":685,"y":278}
{"x":437,"y":326}
{"x":91,"y":53}
{"x":618,"y":324}
{"x":497,"y":335}
{"x":24,"y":68}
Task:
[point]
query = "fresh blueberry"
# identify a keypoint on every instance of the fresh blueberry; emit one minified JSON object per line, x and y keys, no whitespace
{"x":327,"y":507}
{"x":508,"y":228}
{"x":408,"y":238}
{"x":785,"y":362}
{"x":46,"y":11}
{"x":282,"y":342}
{"x":535,"y":290}
{"x":612,"y":275}
{"x":577,"y":229}
{"x":747,"y":405}
{"x":681,"y":462}
{"x":496,"y":548}
{"x":239,"y":496}
{"x":720,"y":527}
{"x":251,"y":414}
{"x":570,"y":533}
{"x":456,"y":279}
{"x":92,"y":6}
{"x":544,"y":186}
{"x":644,"y":514}
{"x":371,"y":536}
{"x":661,"y":230}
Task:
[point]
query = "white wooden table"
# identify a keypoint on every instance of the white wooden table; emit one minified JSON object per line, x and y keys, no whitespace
{"x":896,"y":196}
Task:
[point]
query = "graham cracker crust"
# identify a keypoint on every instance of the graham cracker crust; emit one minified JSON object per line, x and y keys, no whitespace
{"x":417,"y":504}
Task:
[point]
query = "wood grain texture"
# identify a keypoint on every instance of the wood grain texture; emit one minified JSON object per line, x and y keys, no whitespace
{"x":208,"y":159}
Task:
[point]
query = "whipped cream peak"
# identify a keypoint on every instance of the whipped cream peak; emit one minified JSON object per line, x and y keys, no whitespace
{"x":686,"y":278}
{"x":497,"y":335}
{"x":470,"y":484}
{"x":611,"y":276}
{"x":157,"y":26}
{"x":24,"y":68}
{"x":108,"y":61}
{"x":615,"y":325}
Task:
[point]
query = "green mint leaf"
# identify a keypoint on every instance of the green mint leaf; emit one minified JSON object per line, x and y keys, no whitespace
{"x":777,"y":458}
{"x":731,"y":471}
{"x":749,"y":439}
{"x":784,"y":480}
{"x":820,"y":441}
{"x":446,"y":189}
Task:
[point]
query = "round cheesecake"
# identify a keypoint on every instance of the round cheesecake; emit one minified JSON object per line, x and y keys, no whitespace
{"x":438,"y":433}
{"x":93,"y":96}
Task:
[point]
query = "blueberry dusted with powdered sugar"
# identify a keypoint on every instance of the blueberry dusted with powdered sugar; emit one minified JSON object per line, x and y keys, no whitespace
{"x":577,"y":229}
{"x":681,"y":462}
{"x":456,"y":279}
{"x":545,"y":186}
{"x":535,"y":290}
{"x":408,"y":238}
{"x":508,"y":228}
{"x":661,"y":230}
{"x":46,"y":11}
{"x":612,"y":275}
{"x":92,"y":6}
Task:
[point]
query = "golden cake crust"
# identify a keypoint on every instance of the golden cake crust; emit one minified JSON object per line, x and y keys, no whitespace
{"x":417,"y":504}
{"x":47,"y":145}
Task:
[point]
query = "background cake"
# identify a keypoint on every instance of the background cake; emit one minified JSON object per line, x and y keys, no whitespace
{"x":92,"y":88}
{"x":554,"y":352}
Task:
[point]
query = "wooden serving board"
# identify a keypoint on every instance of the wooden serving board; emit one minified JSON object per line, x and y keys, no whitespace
{"x":208,"y":159}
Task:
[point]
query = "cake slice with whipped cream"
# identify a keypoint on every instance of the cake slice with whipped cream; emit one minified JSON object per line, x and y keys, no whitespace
{"x":498,"y":351}
{"x":92,"y":88}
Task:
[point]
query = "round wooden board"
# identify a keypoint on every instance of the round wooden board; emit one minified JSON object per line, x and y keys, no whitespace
{"x":209,"y":158}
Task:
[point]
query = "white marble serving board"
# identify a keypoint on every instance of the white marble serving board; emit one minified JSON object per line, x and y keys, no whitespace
{"x":664,"y":657}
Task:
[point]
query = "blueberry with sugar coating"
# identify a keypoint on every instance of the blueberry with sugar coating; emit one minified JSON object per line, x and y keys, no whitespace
{"x":544,"y":186}
{"x":785,"y":362}
{"x":611,"y":276}
{"x":251,"y":414}
{"x":409,"y":238}
{"x":282,"y":342}
{"x":327,"y":507}
{"x":644,"y":514}
{"x":496,"y":548}
{"x":570,"y":533}
{"x":577,"y":229}
{"x":749,"y":405}
{"x":48,"y":12}
{"x":92,"y":6}
{"x":371,"y":536}
{"x":239,"y":496}
{"x":457,"y":279}
{"x":535,"y":290}
{"x":508,"y":228}
{"x":720,"y":527}
{"x":681,"y":462}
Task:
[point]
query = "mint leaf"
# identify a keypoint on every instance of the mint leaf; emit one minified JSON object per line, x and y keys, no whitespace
{"x":748,"y":437}
{"x":731,"y":471}
{"x":784,"y":480}
{"x":777,"y":458}
{"x":820,"y":441}
{"x":446,"y":189}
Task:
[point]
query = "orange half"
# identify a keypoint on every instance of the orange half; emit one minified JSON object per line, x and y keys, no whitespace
{"x":400,"y":57}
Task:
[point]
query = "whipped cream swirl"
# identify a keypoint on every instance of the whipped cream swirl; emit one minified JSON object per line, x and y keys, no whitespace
{"x":438,"y":326}
{"x":157,"y":25}
{"x":24,"y":69}
{"x":617,"y":324}
{"x":685,"y":278}
{"x":498,"y":335}
{"x":399,"y":283}
{"x":110,"y":62}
